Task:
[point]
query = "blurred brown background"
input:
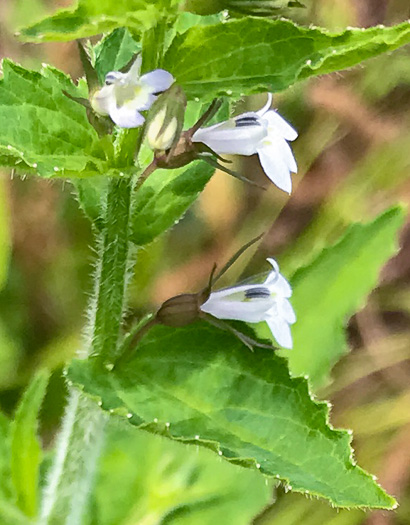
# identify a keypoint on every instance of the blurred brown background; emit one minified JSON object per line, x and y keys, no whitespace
{"x":354,"y":161}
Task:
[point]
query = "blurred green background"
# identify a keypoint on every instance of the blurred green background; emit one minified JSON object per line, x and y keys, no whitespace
{"x":353,"y":157}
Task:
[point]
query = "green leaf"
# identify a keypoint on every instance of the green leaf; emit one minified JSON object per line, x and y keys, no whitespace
{"x":44,"y":131}
{"x":200,"y":385}
{"x":172,"y":484}
{"x":252,"y":55}
{"x":91,"y":195}
{"x":92,"y":17}
{"x":114,"y":52}
{"x":25,"y":448}
{"x":164,"y":198}
{"x":9,"y":356}
{"x":11,"y":515}
{"x":6,"y":489}
{"x":334,"y":286}
{"x":5,"y":236}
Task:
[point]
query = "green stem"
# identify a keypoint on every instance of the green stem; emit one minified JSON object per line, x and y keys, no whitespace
{"x":81,"y":437}
{"x":113,"y":271}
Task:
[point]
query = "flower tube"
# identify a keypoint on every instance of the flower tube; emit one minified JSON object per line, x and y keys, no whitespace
{"x":263,"y":132}
{"x":254,"y":303}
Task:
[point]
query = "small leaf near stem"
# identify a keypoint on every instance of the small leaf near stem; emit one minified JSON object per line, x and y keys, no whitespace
{"x":90,"y":72}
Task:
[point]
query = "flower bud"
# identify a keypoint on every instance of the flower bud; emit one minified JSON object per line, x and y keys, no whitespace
{"x":166,"y":119}
{"x":180,"y":310}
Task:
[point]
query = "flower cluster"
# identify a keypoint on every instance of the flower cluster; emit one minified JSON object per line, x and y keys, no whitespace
{"x":263,"y":132}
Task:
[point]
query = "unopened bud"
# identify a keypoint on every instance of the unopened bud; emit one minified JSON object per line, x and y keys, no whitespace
{"x":166,"y":119}
{"x":180,"y":310}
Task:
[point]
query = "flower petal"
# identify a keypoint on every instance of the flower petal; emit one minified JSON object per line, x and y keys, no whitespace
{"x":125,"y":117}
{"x":282,"y":287}
{"x":287,"y":312}
{"x":280,"y":125}
{"x":277,"y":284}
{"x":261,"y":112}
{"x":280,"y":331}
{"x":134,"y":72}
{"x":287,"y":155}
{"x":157,"y":80}
{"x":253,"y":311}
{"x":273,"y":164}
{"x":102,"y":99}
{"x":231,"y":140}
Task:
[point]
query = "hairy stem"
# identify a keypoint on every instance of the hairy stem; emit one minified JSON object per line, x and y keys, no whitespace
{"x":80,"y":440}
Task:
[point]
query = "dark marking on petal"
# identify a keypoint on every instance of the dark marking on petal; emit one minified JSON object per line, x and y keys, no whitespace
{"x":110,"y":78}
{"x":243,"y":122}
{"x":257,"y":293}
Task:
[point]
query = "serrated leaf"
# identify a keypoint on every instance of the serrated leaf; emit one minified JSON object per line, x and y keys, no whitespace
{"x":201,"y":385}
{"x":25,"y":447}
{"x":172,"y":484}
{"x":92,"y":17}
{"x":253,"y":55}
{"x":43,"y":130}
{"x":114,"y":52}
{"x":163,"y":199}
{"x":329,"y":290}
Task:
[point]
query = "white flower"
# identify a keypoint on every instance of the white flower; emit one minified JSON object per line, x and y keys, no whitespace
{"x":126,"y":94}
{"x":255,"y":303}
{"x":263,"y":132}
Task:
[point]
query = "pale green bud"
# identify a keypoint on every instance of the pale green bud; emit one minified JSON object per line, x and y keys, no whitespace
{"x":166,"y":119}
{"x":160,"y":137}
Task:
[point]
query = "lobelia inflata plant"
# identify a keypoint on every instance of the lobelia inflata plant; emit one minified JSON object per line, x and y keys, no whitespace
{"x":148,"y":103}
{"x":263,"y":132}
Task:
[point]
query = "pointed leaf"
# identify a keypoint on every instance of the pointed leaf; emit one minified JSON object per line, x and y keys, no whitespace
{"x":164,"y":198}
{"x":114,"y":51}
{"x":25,"y":447}
{"x":92,"y":17}
{"x":176,"y":485}
{"x":201,"y":385}
{"x":45,"y":131}
{"x":329,"y":290}
{"x":253,"y":55}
